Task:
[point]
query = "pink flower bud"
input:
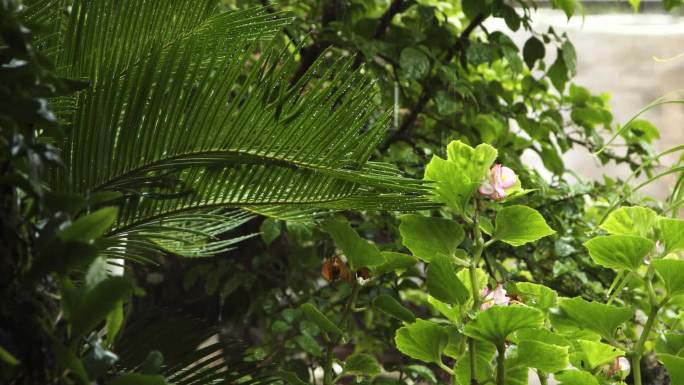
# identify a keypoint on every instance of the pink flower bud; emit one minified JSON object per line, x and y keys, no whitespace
{"x":496,"y":297}
{"x":499,"y":179}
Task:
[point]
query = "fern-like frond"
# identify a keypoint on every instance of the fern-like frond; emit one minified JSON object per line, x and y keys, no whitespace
{"x":191,"y":108}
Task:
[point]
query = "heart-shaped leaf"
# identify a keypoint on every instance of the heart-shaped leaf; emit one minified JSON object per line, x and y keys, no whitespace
{"x":427,"y":237}
{"x":619,"y":251}
{"x":422,"y":340}
{"x":631,"y":221}
{"x":671,"y":272}
{"x":601,"y":318}
{"x":498,"y":322}
{"x":442,"y":282}
{"x":518,"y":225}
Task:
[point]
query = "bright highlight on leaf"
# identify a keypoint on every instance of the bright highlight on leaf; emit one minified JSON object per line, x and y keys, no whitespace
{"x":495,"y":324}
{"x":518,"y":225}
{"x":619,"y":251}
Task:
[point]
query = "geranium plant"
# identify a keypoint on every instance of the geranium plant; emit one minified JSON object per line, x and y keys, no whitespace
{"x":483,"y":329}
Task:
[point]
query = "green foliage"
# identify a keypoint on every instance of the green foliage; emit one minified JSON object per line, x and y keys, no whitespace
{"x":630,"y":221}
{"x":392,"y":307}
{"x":619,"y":251}
{"x":601,"y":318}
{"x":196,"y":119}
{"x":320,"y":319}
{"x":428,"y":238}
{"x":495,"y":324}
{"x":545,"y":357}
{"x":422,"y":340}
{"x":442,"y":282}
{"x":361,"y":364}
{"x":518,"y":225}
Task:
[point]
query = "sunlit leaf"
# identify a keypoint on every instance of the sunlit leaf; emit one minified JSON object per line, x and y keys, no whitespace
{"x":518,"y":225}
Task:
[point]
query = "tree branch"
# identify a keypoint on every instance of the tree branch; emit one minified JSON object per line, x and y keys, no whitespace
{"x":461,"y":44}
{"x":381,"y":30}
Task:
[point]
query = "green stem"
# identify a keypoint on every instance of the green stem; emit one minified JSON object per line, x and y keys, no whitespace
{"x":327,"y":369}
{"x":500,"y":364}
{"x":542,"y":377}
{"x":472,"y":270}
{"x":330,"y":346}
{"x":638,"y":350}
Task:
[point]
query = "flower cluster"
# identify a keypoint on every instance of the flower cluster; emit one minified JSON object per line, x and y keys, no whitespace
{"x":499,"y":180}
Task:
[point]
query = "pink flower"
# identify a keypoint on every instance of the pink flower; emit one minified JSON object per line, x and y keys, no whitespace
{"x":496,"y":297}
{"x":620,"y":367}
{"x":499,"y":179}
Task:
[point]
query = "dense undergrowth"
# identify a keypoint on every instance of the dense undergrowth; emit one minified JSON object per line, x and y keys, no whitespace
{"x":324,"y":192}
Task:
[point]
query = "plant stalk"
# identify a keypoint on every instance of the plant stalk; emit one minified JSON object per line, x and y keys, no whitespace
{"x":330,"y":347}
{"x":637,"y":352}
{"x":472,"y":270}
{"x":500,"y":364}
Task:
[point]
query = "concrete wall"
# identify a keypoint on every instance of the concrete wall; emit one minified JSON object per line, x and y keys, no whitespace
{"x":616,"y":55}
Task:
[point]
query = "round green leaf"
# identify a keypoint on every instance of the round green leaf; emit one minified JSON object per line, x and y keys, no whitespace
{"x":361,"y":364}
{"x":619,"y":251}
{"x":498,"y":322}
{"x":631,"y":221}
{"x":536,"y":295}
{"x":533,"y":50}
{"x":546,"y":357}
{"x":422,"y":340}
{"x":414,"y":63}
{"x":428,"y":237}
{"x":390,"y":306}
{"x":601,"y":318}
{"x":442,"y":282}
{"x":518,"y":225}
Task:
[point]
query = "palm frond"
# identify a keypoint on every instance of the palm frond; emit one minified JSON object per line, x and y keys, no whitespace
{"x":191,"y":350}
{"x":191,"y":109}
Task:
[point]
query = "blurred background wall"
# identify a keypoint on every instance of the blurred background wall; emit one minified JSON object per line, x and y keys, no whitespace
{"x":616,"y":52}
